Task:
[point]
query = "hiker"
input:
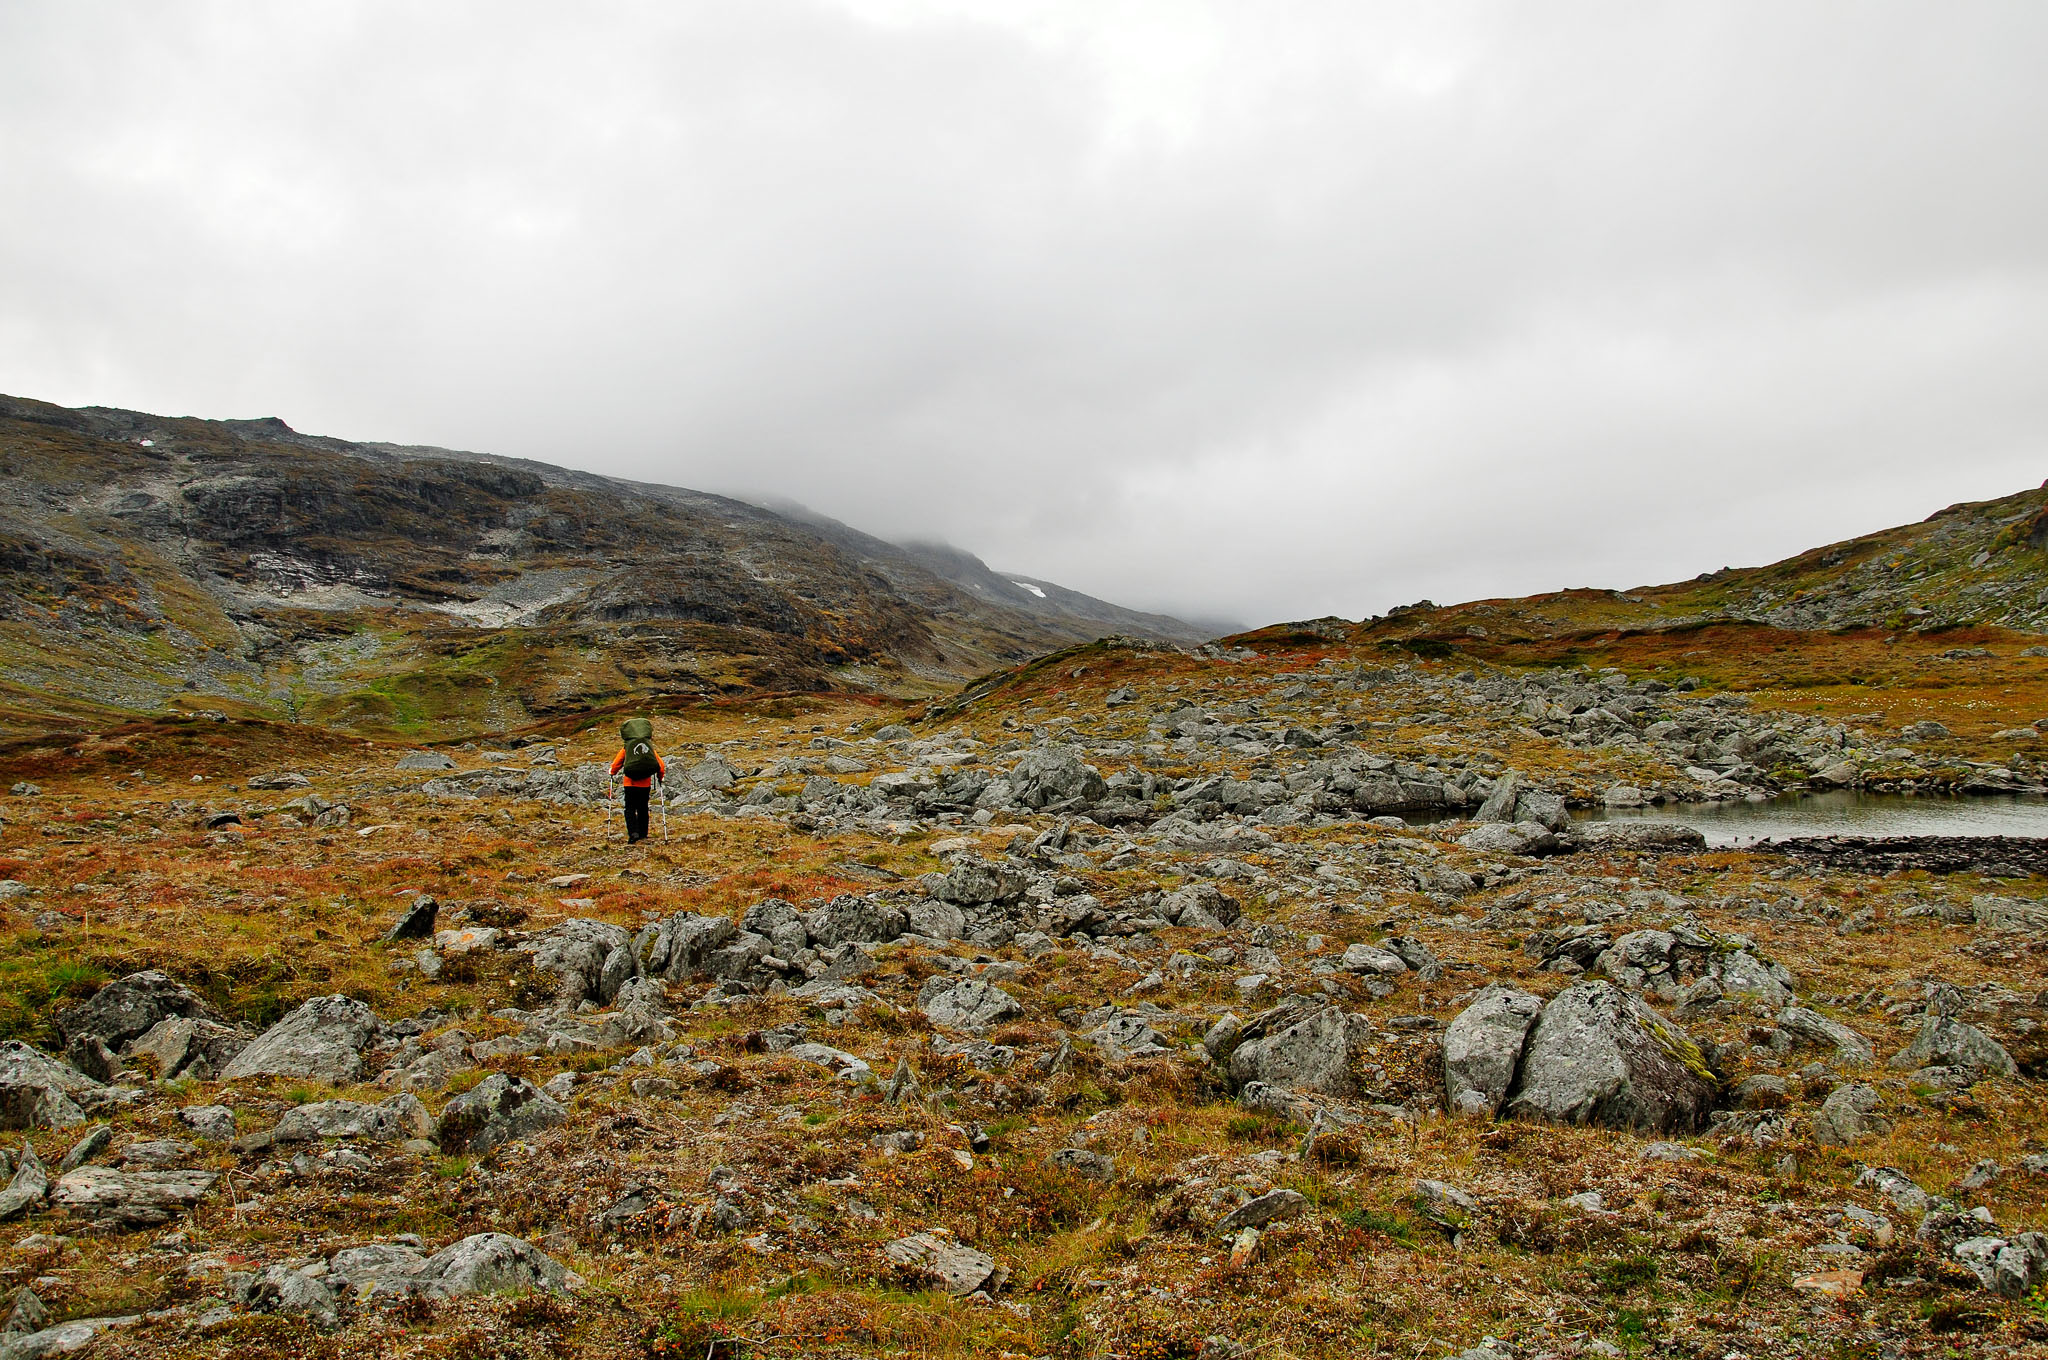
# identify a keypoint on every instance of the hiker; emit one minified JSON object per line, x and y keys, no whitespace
{"x":639,"y":766}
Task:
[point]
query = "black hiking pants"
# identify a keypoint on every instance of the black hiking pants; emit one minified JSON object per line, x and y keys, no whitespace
{"x":636,"y":813}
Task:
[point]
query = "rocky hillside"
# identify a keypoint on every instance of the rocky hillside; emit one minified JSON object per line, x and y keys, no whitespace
{"x":149,"y":564}
{"x":1976,"y":564}
{"x":1278,"y":1000}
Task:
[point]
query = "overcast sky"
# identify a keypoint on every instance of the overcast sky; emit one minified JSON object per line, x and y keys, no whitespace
{"x":1261,"y":310}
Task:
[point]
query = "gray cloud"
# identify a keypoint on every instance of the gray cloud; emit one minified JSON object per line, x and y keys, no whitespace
{"x":1269,"y":310}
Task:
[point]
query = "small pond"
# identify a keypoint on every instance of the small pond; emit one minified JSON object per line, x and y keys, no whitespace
{"x":1847,"y":812}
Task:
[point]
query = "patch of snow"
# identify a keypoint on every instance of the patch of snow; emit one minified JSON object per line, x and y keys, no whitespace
{"x":1026,"y":585}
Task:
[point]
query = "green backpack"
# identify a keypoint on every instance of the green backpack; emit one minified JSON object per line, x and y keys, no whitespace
{"x":638,"y":736}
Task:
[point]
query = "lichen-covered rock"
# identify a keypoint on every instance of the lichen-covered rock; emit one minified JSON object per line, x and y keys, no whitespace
{"x":970,"y":1004}
{"x":322,"y":1040}
{"x":1943,"y":1042}
{"x":585,"y":957}
{"x":1200,"y":906}
{"x":129,"y":1007}
{"x":848,"y":919}
{"x":118,"y":1197}
{"x":1848,"y":1115}
{"x":975,"y":883}
{"x":38,"y":1092}
{"x":1483,"y":1047}
{"x":498,"y":1110}
{"x":392,"y":1121}
{"x":1599,"y":1056}
{"x":1292,"y":1046}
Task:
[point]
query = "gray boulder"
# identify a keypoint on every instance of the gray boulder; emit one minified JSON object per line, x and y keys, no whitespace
{"x":214,"y":1123}
{"x":1800,"y":1027}
{"x":1081,"y":1161}
{"x":118,"y":1197}
{"x":183,"y":1046}
{"x":28,"y":1188}
{"x":682,"y":946}
{"x":780,"y":923}
{"x":585,"y":957}
{"x":1053,"y":775}
{"x":2011,"y":1267}
{"x":848,"y":919}
{"x":1599,"y":1056}
{"x":391,"y":1121}
{"x":492,"y":1263}
{"x":1518,"y":838}
{"x":418,"y":921}
{"x":1637,"y":837}
{"x":425,"y":760}
{"x":1483,"y":1047}
{"x":38,"y":1092}
{"x":958,"y":1270}
{"x":1849,"y":1115}
{"x":1300,"y":1045}
{"x":975,"y":883}
{"x":1200,"y":906}
{"x":122,"y":1010}
{"x":322,"y":1040}
{"x":1500,"y":804}
{"x":498,"y":1110}
{"x":970,"y":1004}
{"x":1270,"y":1207}
{"x":1943,"y":1042}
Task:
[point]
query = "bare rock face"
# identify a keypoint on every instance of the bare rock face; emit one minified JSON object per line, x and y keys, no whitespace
{"x":1483,"y":1047}
{"x":28,"y":1188}
{"x":499,"y":1109}
{"x":1301,"y":1046}
{"x":1599,"y":1056}
{"x":322,"y":1040}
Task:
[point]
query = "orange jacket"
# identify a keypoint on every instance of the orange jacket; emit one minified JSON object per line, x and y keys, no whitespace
{"x":619,"y":760}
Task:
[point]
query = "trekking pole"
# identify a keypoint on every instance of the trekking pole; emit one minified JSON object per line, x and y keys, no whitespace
{"x":661,"y":788}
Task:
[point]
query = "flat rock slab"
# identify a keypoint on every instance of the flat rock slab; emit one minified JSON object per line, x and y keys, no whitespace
{"x":958,"y":1270}
{"x":130,"y":1199}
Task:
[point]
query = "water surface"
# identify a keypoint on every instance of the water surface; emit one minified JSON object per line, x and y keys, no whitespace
{"x":1846,"y":812}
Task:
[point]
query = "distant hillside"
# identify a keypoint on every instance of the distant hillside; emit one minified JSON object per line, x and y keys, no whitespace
{"x":1979,"y":563}
{"x":151,"y":563}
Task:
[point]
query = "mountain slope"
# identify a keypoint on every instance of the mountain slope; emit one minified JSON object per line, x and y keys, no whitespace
{"x":1977,"y":563}
{"x":151,"y":562}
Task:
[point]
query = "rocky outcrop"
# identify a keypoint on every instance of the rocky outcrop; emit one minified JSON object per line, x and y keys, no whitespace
{"x":323,"y":1040}
{"x":957,"y":1269}
{"x":1597,"y":1055}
